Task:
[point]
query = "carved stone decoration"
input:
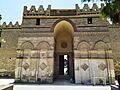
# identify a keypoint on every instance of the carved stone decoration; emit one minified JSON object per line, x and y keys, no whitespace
{"x":26,"y":65}
{"x":94,"y":7}
{"x":10,"y":25}
{"x":64,"y":45}
{"x":86,"y":8}
{"x":16,"y":24}
{"x":101,"y":45}
{"x":43,"y":55}
{"x":41,"y":10}
{"x":83,"y":46}
{"x":102,"y":66}
{"x":84,"y":66}
{"x":48,"y":10}
{"x":106,"y":39}
{"x":32,"y":10}
{"x":27,"y":45}
{"x":43,"y":66}
{"x":25,"y":10}
{"x":43,"y":46}
{"x":77,"y":9}
{"x":4,"y":24}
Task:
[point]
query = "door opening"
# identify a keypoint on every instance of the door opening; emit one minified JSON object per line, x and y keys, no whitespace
{"x":63,"y":50}
{"x":63,"y":65}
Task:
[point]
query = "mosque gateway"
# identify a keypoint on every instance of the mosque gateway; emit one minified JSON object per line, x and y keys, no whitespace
{"x":76,"y":45}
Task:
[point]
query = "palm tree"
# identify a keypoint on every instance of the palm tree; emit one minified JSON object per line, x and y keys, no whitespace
{"x":111,"y":10}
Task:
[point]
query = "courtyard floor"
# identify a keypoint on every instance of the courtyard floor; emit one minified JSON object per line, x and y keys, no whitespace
{"x":57,"y":85}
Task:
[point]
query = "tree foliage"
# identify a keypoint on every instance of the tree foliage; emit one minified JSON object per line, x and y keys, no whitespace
{"x":0,"y":17}
{"x":0,"y":25}
{"x":111,"y":10}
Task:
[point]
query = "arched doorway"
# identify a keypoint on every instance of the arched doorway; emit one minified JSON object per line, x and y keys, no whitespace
{"x":63,"y":50}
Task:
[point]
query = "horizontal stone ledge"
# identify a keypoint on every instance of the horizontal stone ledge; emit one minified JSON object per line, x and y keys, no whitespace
{"x":78,"y":16}
{"x":35,"y":50}
{"x":34,"y":58}
{"x":92,"y":51}
{"x":92,"y":59}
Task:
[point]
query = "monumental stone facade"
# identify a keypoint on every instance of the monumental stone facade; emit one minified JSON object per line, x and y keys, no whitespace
{"x":35,"y":50}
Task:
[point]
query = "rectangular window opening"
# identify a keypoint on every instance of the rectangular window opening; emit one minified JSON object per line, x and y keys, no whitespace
{"x":38,"y":21}
{"x":89,"y":20}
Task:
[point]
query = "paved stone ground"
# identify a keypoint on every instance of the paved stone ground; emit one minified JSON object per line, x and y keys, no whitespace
{"x":60,"y":85}
{"x":57,"y":85}
{"x":62,"y":82}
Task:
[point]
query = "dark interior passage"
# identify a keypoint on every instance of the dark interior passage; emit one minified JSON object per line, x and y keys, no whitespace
{"x":63,"y":65}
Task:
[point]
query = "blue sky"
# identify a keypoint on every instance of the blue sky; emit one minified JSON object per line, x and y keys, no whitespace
{"x":12,"y":10}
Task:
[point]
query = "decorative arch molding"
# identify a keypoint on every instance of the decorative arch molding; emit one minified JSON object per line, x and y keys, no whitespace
{"x":101,"y":45}
{"x":106,"y":39}
{"x":27,"y":45}
{"x":43,"y":45}
{"x":64,"y":19}
{"x":83,"y":45}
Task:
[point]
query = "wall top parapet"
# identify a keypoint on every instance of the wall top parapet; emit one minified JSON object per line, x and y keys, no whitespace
{"x":10,"y":25}
{"x":62,"y":12}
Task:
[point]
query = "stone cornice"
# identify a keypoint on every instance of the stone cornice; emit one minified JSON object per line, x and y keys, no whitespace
{"x":62,"y":17}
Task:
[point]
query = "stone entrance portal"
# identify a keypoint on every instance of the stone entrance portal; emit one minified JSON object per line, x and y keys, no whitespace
{"x":63,"y":68}
{"x":47,"y":37}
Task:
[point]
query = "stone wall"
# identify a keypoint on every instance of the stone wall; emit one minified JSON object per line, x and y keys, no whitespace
{"x":93,"y":58}
{"x":32,"y":46}
{"x":34,"y":59}
{"x":9,"y":39}
{"x":115,"y":43}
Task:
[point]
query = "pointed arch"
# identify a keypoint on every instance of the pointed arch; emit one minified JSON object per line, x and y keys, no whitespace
{"x":100,"y":45}
{"x":43,"y":45}
{"x":63,"y":27}
{"x":64,"y":19}
{"x":83,"y":46}
{"x":27,"y":45}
